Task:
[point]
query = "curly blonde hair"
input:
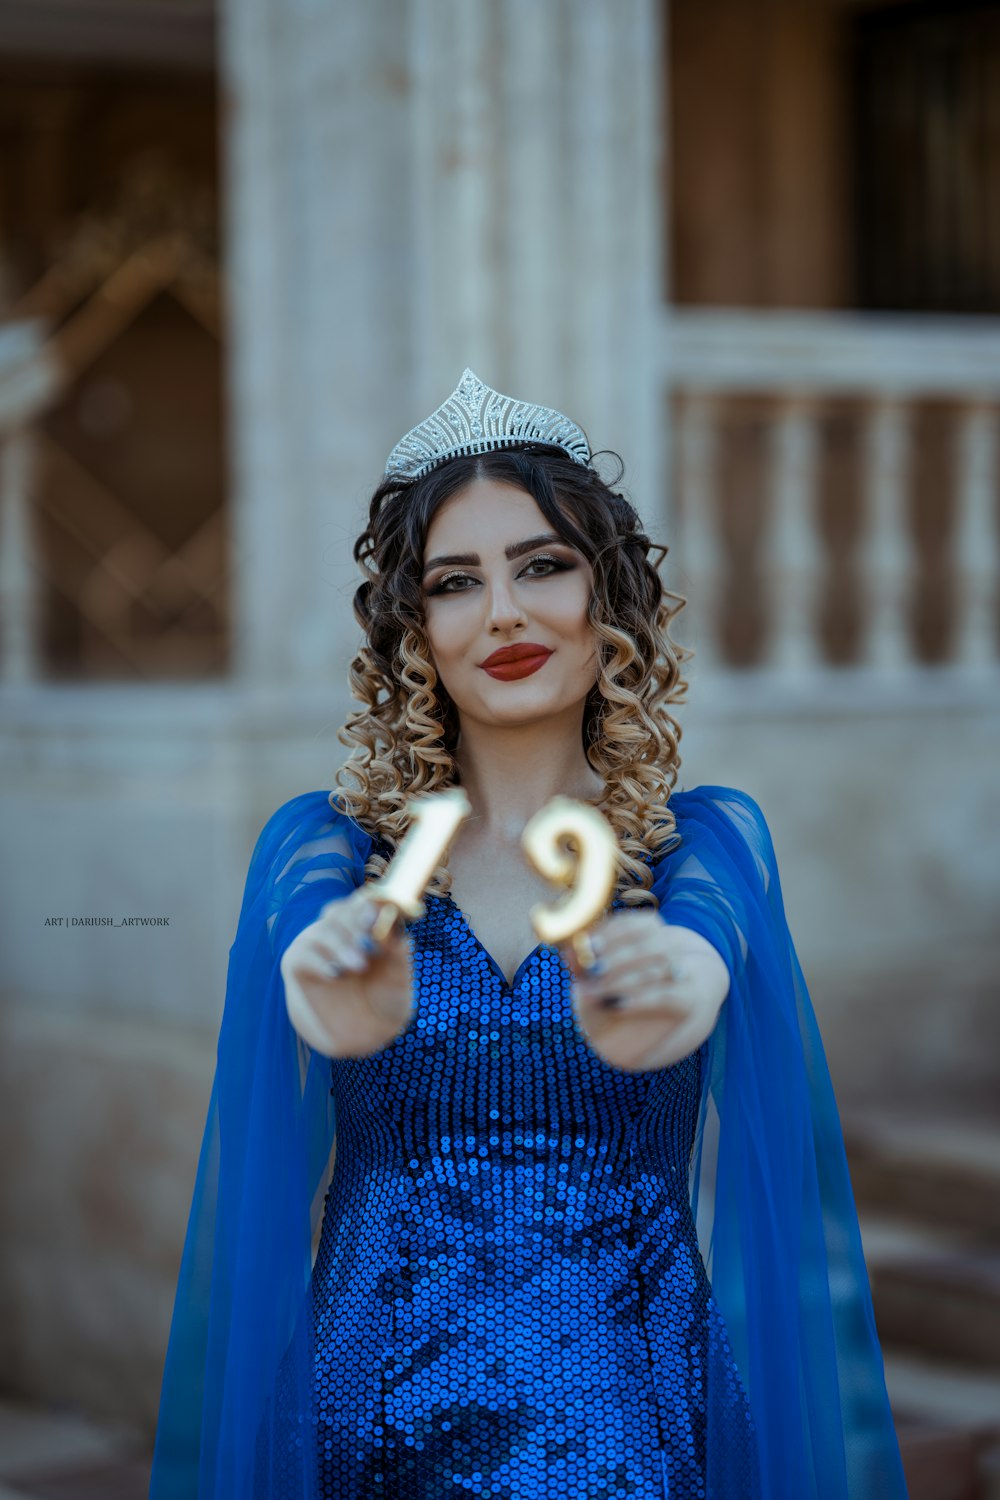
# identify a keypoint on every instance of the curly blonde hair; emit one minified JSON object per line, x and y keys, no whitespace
{"x":404,"y":735}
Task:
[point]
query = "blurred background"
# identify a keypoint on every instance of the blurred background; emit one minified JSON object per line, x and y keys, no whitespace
{"x":751,"y":245}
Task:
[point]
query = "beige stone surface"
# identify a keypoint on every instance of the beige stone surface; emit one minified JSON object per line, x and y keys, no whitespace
{"x":47,"y":1451}
{"x":104,"y":1121}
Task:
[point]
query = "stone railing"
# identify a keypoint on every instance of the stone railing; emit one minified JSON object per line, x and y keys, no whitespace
{"x":797,"y":366}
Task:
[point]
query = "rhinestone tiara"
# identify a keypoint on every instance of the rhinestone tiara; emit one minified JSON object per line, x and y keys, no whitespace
{"x":475,"y":419}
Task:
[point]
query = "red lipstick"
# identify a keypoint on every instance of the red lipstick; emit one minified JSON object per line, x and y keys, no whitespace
{"x":512,"y":662}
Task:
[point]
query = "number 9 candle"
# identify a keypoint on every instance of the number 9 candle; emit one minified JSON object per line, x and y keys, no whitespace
{"x":590,"y":870}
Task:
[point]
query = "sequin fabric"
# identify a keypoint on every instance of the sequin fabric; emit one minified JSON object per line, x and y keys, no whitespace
{"x":508,"y":1295}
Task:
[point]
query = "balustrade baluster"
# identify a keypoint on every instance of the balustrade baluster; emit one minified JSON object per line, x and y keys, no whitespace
{"x":698,"y":546}
{"x":887,"y":560}
{"x":976,"y":543}
{"x":793,"y":559}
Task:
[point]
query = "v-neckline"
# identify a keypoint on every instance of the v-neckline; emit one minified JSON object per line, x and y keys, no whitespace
{"x":509,"y":984}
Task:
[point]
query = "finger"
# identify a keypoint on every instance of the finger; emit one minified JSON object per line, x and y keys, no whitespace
{"x":643,"y":954}
{"x":334,"y":968}
{"x":662,"y":1001}
{"x":597,"y":941}
{"x":635,"y":988}
{"x":636,"y":1005}
{"x":617,"y":941}
{"x":368,"y":911}
{"x":572,"y":962}
{"x":392,"y":953}
{"x":333,"y":955}
{"x":626,"y":972}
{"x":348,"y":915}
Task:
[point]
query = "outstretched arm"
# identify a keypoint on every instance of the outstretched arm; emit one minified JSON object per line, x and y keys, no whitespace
{"x":658,"y":1020}
{"x":699,"y":933}
{"x":347,"y":995}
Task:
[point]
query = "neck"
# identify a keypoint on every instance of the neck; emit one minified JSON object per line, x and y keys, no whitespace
{"x":509,"y":774}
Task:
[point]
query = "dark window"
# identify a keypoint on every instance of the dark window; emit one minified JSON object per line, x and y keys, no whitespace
{"x":927,"y":157}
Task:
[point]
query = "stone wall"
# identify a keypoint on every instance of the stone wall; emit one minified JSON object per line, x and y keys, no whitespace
{"x":891,"y":886}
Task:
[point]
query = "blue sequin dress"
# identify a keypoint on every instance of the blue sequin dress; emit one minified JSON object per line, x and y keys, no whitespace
{"x":509,"y":1297}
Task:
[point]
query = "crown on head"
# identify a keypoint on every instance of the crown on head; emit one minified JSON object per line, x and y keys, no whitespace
{"x":475,"y":419}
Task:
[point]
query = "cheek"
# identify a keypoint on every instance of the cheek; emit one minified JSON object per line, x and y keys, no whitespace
{"x":447,"y":630}
{"x":569,"y":607}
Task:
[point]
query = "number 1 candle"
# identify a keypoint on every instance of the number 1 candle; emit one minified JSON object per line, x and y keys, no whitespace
{"x":436,"y":820}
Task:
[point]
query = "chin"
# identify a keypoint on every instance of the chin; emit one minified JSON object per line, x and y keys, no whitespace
{"x":524,"y":713}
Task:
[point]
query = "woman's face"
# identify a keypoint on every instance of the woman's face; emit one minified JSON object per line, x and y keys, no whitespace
{"x":477,"y":600}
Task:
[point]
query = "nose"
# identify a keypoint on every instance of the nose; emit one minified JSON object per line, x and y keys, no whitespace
{"x":503,"y":607}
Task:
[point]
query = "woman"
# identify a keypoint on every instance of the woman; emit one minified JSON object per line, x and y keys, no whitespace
{"x":586,"y":1234}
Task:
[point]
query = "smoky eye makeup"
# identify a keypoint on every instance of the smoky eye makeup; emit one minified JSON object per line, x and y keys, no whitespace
{"x":558,"y":565}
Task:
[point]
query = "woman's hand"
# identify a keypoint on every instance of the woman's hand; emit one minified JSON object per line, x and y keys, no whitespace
{"x":658,"y":1019}
{"x":347,"y":995}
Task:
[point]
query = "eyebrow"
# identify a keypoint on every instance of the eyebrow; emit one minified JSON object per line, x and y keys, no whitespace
{"x":514,"y":549}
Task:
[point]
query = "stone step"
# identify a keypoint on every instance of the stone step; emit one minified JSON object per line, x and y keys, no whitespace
{"x":935,"y":1292}
{"x":927,"y":1393}
{"x":948,"y":1306}
{"x":948,"y":1423}
{"x":49,"y":1453}
{"x":930,"y":1169}
{"x":945,"y":1464}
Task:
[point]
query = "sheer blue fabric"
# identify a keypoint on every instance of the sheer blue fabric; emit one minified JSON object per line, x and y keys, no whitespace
{"x":241,"y":1293}
{"x":770,"y":1190}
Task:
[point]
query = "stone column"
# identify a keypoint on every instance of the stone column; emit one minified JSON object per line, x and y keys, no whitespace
{"x":417,"y":185}
{"x":319,"y":215}
{"x":19,"y":642}
{"x":29,"y":379}
{"x":536,"y":157}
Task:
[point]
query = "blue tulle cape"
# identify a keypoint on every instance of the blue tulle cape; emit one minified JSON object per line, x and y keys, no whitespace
{"x":770,"y":1188}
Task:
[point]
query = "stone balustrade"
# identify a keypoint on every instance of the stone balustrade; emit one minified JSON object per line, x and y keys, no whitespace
{"x":800,"y":363}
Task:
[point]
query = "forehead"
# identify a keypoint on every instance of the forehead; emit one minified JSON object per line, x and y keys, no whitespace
{"x":485,"y":508}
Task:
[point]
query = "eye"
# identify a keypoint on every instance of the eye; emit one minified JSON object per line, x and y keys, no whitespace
{"x":556,"y":564}
{"x":441,"y":587}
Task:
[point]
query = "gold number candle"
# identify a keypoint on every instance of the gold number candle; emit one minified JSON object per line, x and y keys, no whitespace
{"x":589,"y":870}
{"x":436,"y":820}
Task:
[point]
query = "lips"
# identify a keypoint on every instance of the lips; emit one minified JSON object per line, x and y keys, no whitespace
{"x":510,"y":663}
{"x":515,"y":653}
